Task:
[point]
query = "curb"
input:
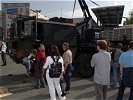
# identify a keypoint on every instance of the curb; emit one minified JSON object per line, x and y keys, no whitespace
{"x":4,"y":95}
{"x":4,"y":92}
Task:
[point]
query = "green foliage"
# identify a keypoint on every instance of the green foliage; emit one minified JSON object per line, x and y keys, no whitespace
{"x":130,"y":19}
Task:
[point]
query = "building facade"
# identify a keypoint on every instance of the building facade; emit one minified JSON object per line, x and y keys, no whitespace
{"x":11,"y":11}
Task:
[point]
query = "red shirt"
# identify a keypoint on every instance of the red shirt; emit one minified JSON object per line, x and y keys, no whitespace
{"x":40,"y":54}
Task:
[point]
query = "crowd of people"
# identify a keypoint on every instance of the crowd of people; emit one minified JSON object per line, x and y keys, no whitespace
{"x":42,"y":72}
{"x":120,"y":62}
{"x":103,"y":61}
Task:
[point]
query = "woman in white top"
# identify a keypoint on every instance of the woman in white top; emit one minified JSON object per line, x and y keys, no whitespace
{"x":54,"y":83}
{"x":3,"y":53}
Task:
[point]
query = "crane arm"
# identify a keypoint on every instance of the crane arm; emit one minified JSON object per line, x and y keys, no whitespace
{"x":84,"y":8}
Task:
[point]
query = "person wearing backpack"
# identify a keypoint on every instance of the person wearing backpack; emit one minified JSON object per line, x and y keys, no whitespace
{"x":53,"y":76}
{"x":40,"y":60}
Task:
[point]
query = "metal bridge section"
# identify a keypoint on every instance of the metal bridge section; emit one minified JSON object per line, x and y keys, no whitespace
{"x":110,"y":16}
{"x":119,"y":34}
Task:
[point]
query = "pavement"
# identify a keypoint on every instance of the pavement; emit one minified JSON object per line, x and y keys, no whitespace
{"x":15,"y":85}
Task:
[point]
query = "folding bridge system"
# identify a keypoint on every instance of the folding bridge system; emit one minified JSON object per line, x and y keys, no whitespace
{"x":110,"y":16}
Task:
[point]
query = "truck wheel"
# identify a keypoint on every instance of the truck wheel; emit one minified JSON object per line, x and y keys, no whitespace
{"x":82,"y":65}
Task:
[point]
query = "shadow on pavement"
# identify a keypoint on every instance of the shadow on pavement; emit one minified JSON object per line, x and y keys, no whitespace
{"x":12,"y":79}
{"x":85,"y":95}
{"x":82,"y":87}
{"x":125,"y":97}
{"x":17,"y":83}
{"x":38,"y":97}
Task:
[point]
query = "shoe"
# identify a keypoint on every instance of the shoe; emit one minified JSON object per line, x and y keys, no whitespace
{"x":27,"y":75}
{"x":42,"y":86}
{"x":115,"y":86}
{"x":36,"y":87}
{"x":109,"y":86}
{"x":63,"y":98}
{"x":67,"y":91}
{"x":63,"y":93}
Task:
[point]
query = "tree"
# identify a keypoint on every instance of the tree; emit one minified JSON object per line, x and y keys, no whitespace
{"x":130,"y":19}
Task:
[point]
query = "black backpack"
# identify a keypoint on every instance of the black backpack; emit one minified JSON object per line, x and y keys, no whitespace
{"x":55,"y":68}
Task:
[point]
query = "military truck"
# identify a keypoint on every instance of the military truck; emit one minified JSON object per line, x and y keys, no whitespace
{"x":124,"y":33}
{"x":82,"y":44}
{"x":28,"y":31}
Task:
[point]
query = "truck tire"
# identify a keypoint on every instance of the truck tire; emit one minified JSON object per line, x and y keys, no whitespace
{"x":82,"y":65}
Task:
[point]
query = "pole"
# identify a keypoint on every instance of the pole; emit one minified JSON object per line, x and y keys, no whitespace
{"x":61,"y":12}
{"x":36,"y":27}
{"x":37,"y":11}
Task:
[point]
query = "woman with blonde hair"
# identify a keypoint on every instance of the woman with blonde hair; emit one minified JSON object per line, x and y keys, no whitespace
{"x":39,"y":71}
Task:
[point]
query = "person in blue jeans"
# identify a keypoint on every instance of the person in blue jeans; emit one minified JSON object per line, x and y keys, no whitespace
{"x":126,"y":63}
{"x":28,"y":65}
{"x":67,"y":78}
{"x":39,"y":71}
{"x":116,"y":65}
{"x":28,"y":62}
{"x":67,"y":58}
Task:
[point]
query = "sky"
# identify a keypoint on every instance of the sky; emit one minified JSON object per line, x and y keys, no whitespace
{"x":64,"y":8}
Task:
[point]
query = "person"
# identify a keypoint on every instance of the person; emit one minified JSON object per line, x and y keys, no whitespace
{"x":101,"y":63}
{"x":67,"y":58}
{"x":53,"y":83}
{"x":28,"y":62}
{"x":3,"y":53}
{"x":115,"y":64}
{"x":109,"y":48}
{"x":126,"y":71}
{"x":39,"y":71}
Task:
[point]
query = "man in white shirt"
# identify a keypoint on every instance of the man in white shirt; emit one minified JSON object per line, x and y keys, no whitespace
{"x":3,"y":53}
{"x":67,"y":58}
{"x":101,"y":63}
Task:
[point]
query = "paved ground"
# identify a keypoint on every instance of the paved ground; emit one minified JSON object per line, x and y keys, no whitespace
{"x":20,"y":87}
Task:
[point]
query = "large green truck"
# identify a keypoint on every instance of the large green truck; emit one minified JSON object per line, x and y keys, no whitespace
{"x":27,"y":32}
